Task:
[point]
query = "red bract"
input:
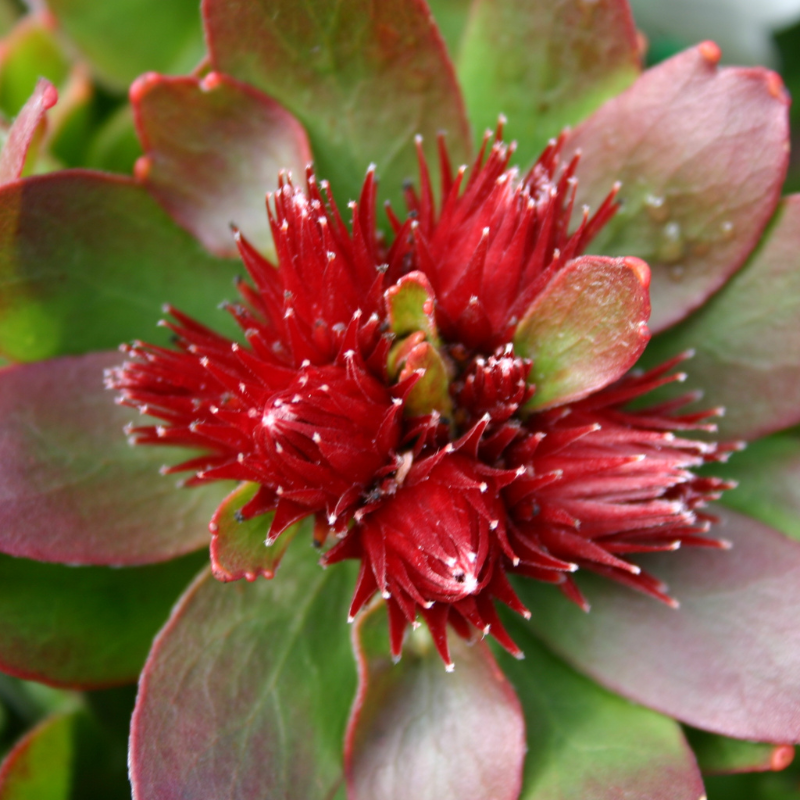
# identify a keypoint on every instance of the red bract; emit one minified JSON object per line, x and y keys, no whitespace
{"x":449,"y":483}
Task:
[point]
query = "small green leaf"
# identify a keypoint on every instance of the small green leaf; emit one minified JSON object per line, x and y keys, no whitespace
{"x":432,"y":390}
{"x":719,"y":755}
{"x":411,"y":306}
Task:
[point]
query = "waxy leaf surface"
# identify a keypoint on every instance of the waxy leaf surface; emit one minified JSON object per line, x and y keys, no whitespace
{"x":86,"y":262}
{"x":247,"y":687}
{"x":214,"y":148}
{"x":693,"y":205}
{"x":585,"y":329}
{"x":720,"y":755}
{"x":85,"y":627}
{"x":544,"y":64}
{"x":124,"y":38}
{"x":727,"y":661}
{"x":747,"y":337}
{"x":23,"y":132}
{"x":72,"y":489}
{"x":422,"y":733}
{"x":364,"y":77}
{"x":585,"y":742}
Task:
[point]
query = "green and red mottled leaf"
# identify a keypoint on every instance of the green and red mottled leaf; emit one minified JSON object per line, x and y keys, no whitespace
{"x":258,"y":678}
{"x":727,"y":661}
{"x":747,"y":337}
{"x":585,"y":329}
{"x":238,"y":547}
{"x":694,"y":204}
{"x":214,"y":148}
{"x":87,"y":260}
{"x":584,"y":742}
{"x":544,"y":64}
{"x":39,"y":767}
{"x":419,"y":732}
{"x":719,"y":755}
{"x":72,"y":489}
{"x":84,"y":627}
{"x":124,"y":38}
{"x":27,"y":127}
{"x":364,"y":77}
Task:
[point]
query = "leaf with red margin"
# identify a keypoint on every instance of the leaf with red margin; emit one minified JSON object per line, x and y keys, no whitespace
{"x":701,"y":153}
{"x":727,"y":661}
{"x":419,"y":732}
{"x":86,"y":262}
{"x":585,"y":742}
{"x":72,"y":489}
{"x":585,"y":329}
{"x":719,"y":755}
{"x":545,"y":64}
{"x":451,"y":20}
{"x":747,"y":337}
{"x":248,"y":686}
{"x":213,"y":149}
{"x":363,"y":77}
{"x":26,"y":128}
{"x":238,"y":547}
{"x":39,"y":767}
{"x":84,"y":627}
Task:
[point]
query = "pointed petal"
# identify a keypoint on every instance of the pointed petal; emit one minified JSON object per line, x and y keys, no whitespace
{"x":343,"y":70}
{"x":508,"y":63}
{"x":420,"y":732}
{"x":213,"y":149}
{"x":693,"y":207}
{"x":727,"y":661}
{"x":586,"y":328}
{"x":259,"y":678}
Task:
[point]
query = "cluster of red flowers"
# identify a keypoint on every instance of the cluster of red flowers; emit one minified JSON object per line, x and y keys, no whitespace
{"x":325,"y":407}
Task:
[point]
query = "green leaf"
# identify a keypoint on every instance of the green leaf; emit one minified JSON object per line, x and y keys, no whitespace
{"x":584,"y":742}
{"x":419,"y":732}
{"x":692,"y":207}
{"x":544,"y":64}
{"x":432,"y":391}
{"x":410,"y":304}
{"x":719,"y":755}
{"x":259,"y":678}
{"x":86,"y":262}
{"x":451,"y":19}
{"x":84,"y":627}
{"x":363,"y":77}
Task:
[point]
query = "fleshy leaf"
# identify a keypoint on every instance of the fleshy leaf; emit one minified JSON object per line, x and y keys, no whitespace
{"x":258,"y":677}
{"x":727,"y":661}
{"x":585,"y":329}
{"x":545,"y":64}
{"x":410,"y":304}
{"x":27,"y":127}
{"x":125,"y":38}
{"x":363,"y":77}
{"x":87,"y":260}
{"x":719,"y":755}
{"x":71,"y":487}
{"x":693,"y":206}
{"x":584,"y":742}
{"x":747,"y":337}
{"x":238,"y":547}
{"x":419,"y":732}
{"x":84,"y":627}
{"x":214,"y":148}
{"x":431,"y":392}
{"x":39,"y":767}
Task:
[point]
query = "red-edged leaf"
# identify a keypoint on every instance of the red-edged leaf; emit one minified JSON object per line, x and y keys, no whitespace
{"x":238,"y":547}
{"x":28,"y":124}
{"x":747,"y":338}
{"x":247,"y":689}
{"x":84,"y":627}
{"x":727,"y":661}
{"x":585,"y":329}
{"x":419,"y":732}
{"x":719,"y":755}
{"x":587,"y":743}
{"x":693,"y":204}
{"x":214,"y":148}
{"x":71,"y":487}
{"x":410,"y":306}
{"x":451,"y":19}
{"x":363,"y":77}
{"x":87,"y":260}
{"x":544,"y":64}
